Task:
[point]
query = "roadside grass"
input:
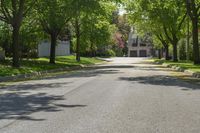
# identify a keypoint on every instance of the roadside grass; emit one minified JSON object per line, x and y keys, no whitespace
{"x":41,"y":64}
{"x":186,"y":77}
{"x":49,"y":75}
{"x":186,"y":65}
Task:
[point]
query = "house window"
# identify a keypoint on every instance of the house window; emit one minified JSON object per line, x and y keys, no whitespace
{"x":135,"y":42}
{"x":133,"y":53}
{"x":143,"y":53}
{"x":142,"y":44}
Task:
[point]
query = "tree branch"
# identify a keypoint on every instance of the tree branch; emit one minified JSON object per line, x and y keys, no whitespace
{"x":182,"y":21}
{"x":167,"y":35}
{"x":45,"y":26}
{"x":198,"y":10}
{"x":162,"y":40}
{"x":2,"y":18}
{"x":189,"y":11}
{"x":30,"y":7}
{"x":6,"y":14}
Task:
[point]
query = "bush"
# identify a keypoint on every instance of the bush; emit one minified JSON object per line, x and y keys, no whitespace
{"x":110,"y":53}
{"x":182,"y":50}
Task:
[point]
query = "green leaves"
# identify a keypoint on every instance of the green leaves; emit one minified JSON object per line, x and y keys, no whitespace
{"x":157,"y":14}
{"x":53,"y":15}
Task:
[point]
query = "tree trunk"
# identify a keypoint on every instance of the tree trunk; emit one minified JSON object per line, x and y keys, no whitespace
{"x":195,"y":42}
{"x":162,"y":52}
{"x":78,"y":58}
{"x":166,"y":52}
{"x":192,"y":10}
{"x":15,"y":46}
{"x":159,"y":54}
{"x":78,"y":49}
{"x":92,"y":52}
{"x":188,"y":40}
{"x":175,"y":53}
{"x":53,"y":49}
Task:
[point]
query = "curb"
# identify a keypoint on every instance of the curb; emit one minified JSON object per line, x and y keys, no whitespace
{"x":40,"y":73}
{"x":46,"y":72}
{"x":105,"y":59}
{"x":179,"y":69}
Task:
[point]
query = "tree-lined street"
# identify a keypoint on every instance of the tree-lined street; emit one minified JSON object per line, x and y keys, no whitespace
{"x":70,"y":66}
{"x":123,"y":96}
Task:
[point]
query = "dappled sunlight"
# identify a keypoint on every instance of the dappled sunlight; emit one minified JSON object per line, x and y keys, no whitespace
{"x":20,"y":105}
{"x":161,"y":80}
{"x":42,"y":64}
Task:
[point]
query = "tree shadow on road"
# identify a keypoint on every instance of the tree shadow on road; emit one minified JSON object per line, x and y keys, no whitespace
{"x":33,"y":86}
{"x":101,"y":70}
{"x":162,"y":80}
{"x":83,"y":74}
{"x":20,"y":105}
{"x":114,"y":66}
{"x":19,"y":101}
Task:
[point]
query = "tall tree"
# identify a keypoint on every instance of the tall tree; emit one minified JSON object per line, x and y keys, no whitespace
{"x":169,"y":15}
{"x":165,"y":44}
{"x":13,"y":12}
{"x":193,"y":10}
{"x":98,"y":33}
{"x":81,"y":9}
{"x":98,"y":30}
{"x":53,"y":16}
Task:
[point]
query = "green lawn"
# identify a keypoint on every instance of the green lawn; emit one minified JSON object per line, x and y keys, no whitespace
{"x":41,"y":64}
{"x":188,"y":65}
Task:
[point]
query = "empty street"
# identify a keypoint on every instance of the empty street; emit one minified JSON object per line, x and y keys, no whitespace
{"x":125,"y":95}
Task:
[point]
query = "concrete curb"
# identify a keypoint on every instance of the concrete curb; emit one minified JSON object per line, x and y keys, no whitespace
{"x":179,"y":69}
{"x":41,"y":73}
{"x":105,"y":59}
{"x":46,"y":72}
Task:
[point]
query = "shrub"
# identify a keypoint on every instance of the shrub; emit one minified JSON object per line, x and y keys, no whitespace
{"x":110,"y":53}
{"x":182,"y":50}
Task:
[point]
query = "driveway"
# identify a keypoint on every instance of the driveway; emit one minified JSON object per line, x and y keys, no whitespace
{"x":123,"y":96}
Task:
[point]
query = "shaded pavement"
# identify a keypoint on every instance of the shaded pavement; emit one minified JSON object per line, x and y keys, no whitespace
{"x":123,"y":96}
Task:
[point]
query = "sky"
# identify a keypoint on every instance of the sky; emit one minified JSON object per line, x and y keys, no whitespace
{"x":122,"y":12}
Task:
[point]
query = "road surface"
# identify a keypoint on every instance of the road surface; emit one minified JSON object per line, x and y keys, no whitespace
{"x":124,"y":96}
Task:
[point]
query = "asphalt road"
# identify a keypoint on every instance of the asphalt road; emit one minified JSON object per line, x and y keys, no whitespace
{"x":124,"y":96}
